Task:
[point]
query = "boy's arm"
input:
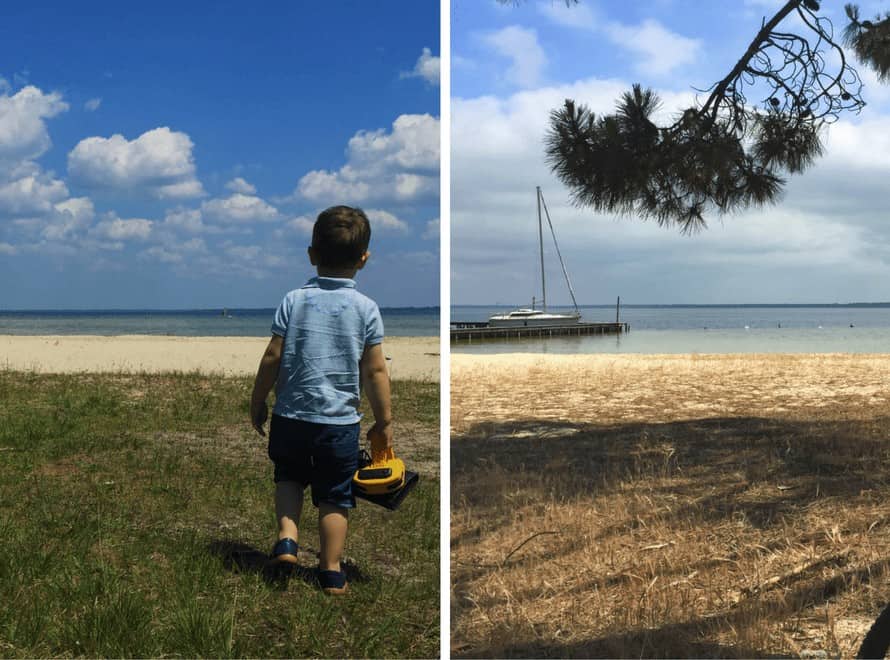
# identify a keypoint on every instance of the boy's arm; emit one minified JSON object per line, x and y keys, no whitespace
{"x":266,"y":376}
{"x":375,"y":382}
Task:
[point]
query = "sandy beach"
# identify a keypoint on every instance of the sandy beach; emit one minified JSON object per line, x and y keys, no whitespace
{"x":413,"y":358}
{"x":651,"y":388}
{"x":669,"y":505}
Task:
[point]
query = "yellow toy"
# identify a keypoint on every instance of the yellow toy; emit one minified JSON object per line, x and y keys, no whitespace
{"x":384,"y":475}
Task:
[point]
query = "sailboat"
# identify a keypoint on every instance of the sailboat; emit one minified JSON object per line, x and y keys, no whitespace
{"x":531,"y":317}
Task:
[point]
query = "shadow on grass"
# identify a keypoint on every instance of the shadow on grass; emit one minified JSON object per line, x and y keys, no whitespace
{"x":765,"y":471}
{"x":240,"y":557}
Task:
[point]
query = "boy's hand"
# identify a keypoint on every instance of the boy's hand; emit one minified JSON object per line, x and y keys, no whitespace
{"x":259,"y":413}
{"x":266,"y":377}
{"x":380,"y":436}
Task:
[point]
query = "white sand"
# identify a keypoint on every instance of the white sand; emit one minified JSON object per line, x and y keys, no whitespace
{"x":413,"y":358}
{"x":658,"y":388}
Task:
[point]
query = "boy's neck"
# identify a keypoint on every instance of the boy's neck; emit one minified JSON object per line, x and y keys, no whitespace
{"x":343,"y":273}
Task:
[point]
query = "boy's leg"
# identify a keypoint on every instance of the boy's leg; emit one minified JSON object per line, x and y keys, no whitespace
{"x":332,"y":525}
{"x":290,"y":455}
{"x":336,"y":461}
{"x":288,"y":508}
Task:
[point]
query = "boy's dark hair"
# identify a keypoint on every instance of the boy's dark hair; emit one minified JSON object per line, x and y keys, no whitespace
{"x":340,"y":236}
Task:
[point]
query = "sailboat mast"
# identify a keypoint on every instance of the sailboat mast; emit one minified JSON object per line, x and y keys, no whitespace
{"x":558,"y":253}
{"x":541,"y":246}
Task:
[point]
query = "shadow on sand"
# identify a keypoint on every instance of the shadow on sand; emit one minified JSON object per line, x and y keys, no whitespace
{"x":763,"y":471}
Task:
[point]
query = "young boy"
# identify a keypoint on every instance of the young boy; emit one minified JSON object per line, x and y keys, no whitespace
{"x":325,"y":347}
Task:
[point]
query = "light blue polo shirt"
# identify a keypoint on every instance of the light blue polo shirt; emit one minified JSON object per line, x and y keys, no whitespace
{"x":326,"y":325}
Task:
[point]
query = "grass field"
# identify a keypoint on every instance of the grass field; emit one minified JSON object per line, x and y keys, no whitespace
{"x":683,"y":506}
{"x":136,"y":512}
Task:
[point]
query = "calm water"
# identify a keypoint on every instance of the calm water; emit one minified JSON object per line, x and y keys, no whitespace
{"x":404,"y":322}
{"x":710,"y":329}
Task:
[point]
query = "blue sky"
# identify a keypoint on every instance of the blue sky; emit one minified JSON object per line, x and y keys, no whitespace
{"x":174,"y":155}
{"x":826,"y":241}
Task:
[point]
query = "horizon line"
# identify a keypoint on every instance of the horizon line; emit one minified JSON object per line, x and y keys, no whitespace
{"x":647,"y":305}
{"x":178,"y":309}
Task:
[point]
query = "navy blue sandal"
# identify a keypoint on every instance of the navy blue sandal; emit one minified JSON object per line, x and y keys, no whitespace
{"x":285,"y":552}
{"x":333,"y":582}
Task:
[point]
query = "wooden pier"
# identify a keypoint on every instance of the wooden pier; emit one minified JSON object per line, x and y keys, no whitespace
{"x":475,"y":330}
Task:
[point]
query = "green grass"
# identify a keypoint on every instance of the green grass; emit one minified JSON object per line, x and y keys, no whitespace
{"x":135,"y":510}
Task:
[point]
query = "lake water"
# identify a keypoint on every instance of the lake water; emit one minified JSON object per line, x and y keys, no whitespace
{"x":398,"y":322}
{"x":709,"y":329}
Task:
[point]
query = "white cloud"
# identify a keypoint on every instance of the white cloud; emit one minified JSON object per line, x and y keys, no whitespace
{"x":321,"y":185}
{"x":80,"y":207}
{"x":182,"y":190}
{"x":23,"y":133}
{"x":189,"y":220}
{"x":862,"y":146}
{"x":385,"y":220}
{"x":426,"y":67}
{"x":31,"y":195}
{"x":432,"y":230}
{"x":413,"y":186}
{"x":92,"y":105}
{"x":397,"y":165}
{"x":72,"y":216}
{"x":118,"y":229}
{"x":504,"y":137}
{"x":238,"y":209}
{"x":242,"y":260}
{"x":174,"y":252}
{"x":413,"y":144}
{"x":7,"y":249}
{"x":38,"y":212}
{"x":239,"y":185}
{"x":159,"y":161}
{"x":303,"y":224}
{"x":660,"y":50}
{"x":520,"y":45}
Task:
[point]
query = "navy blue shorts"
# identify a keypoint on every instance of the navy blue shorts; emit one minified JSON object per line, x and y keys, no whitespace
{"x":324,"y":456}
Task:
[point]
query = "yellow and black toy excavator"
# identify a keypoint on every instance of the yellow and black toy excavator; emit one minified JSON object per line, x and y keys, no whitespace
{"x":382,"y":478}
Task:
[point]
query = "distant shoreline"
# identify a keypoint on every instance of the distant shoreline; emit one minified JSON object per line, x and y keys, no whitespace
{"x":854,"y":305}
{"x":190,"y":310}
{"x":228,"y":322}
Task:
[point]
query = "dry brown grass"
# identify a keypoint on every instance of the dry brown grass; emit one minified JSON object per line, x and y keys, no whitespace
{"x":702,"y":505}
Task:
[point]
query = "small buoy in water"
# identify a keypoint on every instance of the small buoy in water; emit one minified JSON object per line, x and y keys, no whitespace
{"x":780,"y":325}
{"x":820,"y":327}
{"x":851,"y":325}
{"x":747,"y":327}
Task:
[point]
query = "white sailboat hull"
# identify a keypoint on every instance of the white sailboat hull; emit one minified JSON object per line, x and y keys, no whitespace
{"x":540,"y":319}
